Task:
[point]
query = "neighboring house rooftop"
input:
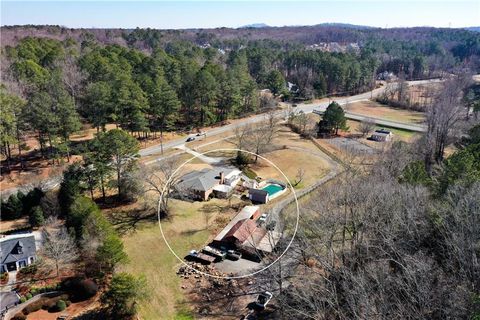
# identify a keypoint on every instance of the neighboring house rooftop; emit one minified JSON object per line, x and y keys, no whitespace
{"x":384,"y":131}
{"x":17,"y":247}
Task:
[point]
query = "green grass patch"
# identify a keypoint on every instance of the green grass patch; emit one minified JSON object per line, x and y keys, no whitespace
{"x":249,"y":173}
{"x":150,"y":256}
{"x":399,"y":132}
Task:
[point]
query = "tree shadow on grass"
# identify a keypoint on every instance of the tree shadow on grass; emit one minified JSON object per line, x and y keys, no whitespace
{"x":129,"y":221}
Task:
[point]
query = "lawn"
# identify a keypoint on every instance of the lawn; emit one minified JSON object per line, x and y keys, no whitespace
{"x":377,"y":110}
{"x":405,"y":135}
{"x":149,"y":255}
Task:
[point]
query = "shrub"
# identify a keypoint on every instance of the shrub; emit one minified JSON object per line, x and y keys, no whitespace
{"x":82,"y":289}
{"x":30,"y":269}
{"x":61,"y":305}
{"x":32,"y":307}
{"x":28,"y":296}
{"x":4,"y":276}
{"x":49,"y":305}
{"x":23,"y":299}
{"x":19,"y":316}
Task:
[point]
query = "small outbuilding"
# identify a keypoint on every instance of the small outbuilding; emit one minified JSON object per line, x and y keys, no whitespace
{"x":382,"y":135}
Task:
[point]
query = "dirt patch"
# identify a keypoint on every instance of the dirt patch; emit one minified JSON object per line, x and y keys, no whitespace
{"x":14,"y":224}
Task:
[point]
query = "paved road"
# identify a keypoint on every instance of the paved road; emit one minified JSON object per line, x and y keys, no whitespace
{"x":306,"y":108}
{"x":54,"y":182}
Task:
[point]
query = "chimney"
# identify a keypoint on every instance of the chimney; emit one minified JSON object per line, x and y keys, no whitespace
{"x":222,"y":177}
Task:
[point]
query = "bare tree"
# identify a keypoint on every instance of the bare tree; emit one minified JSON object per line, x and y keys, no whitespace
{"x":72,"y":76}
{"x":299,"y":177}
{"x":58,"y":247}
{"x":366,"y":126}
{"x":442,"y":116}
{"x":162,"y":179}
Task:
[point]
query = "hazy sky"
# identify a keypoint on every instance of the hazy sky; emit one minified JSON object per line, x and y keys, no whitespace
{"x":204,"y":14}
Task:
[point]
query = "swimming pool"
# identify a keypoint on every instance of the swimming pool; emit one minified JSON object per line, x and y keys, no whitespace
{"x":272,"y":189}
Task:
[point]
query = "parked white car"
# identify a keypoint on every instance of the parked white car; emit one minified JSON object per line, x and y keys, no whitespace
{"x":262,"y":218}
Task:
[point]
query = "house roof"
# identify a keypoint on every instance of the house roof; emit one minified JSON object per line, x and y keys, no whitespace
{"x":243,"y":230}
{"x":260,"y":192}
{"x":246,"y":213}
{"x":380,"y":134}
{"x":9,"y":248}
{"x":383,"y":131}
{"x":203,"y":180}
{"x":264,"y":240}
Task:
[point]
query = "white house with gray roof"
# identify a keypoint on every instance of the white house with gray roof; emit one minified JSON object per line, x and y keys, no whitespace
{"x":200,"y":184}
{"x":17,"y":251}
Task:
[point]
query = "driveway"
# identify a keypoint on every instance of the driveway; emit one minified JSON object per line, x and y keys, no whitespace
{"x":239,"y":267}
{"x":8,"y":299}
{"x":53,"y":182}
{"x":202,"y":157}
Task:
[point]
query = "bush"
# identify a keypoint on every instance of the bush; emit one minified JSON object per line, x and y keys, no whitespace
{"x":4,"y":276}
{"x":61,"y":305}
{"x":23,"y":299}
{"x":32,"y":307}
{"x":82,"y":289}
{"x":19,"y":316}
{"x":49,"y":305}
{"x":28,"y":296}
{"x":30,"y":269}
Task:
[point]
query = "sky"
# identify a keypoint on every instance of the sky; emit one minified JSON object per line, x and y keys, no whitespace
{"x":208,"y":14}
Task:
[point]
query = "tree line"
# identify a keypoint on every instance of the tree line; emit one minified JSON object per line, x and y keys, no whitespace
{"x":50,"y":87}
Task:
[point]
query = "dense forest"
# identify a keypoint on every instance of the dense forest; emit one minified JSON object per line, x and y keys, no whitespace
{"x":148,"y":81}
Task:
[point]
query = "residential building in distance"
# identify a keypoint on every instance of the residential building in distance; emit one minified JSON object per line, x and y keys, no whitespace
{"x":382,"y":135}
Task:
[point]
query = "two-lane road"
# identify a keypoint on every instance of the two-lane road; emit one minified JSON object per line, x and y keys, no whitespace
{"x":53,"y":181}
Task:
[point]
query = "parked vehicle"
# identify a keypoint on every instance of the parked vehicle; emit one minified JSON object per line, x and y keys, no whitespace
{"x":200,"y":257}
{"x":262,"y":218}
{"x":218,"y":254}
{"x":263,"y":299}
{"x":234,"y":255}
{"x":190,"y":139}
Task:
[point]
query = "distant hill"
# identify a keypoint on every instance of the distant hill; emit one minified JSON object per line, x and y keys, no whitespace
{"x":476,"y":29}
{"x":344,"y":25}
{"x":255,"y":26}
{"x":341,"y":33}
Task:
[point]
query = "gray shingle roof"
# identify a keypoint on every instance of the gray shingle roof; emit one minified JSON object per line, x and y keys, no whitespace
{"x":9,"y":249}
{"x":202,"y":180}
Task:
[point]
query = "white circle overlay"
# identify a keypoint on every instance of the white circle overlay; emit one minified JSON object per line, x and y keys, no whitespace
{"x":206,"y":273}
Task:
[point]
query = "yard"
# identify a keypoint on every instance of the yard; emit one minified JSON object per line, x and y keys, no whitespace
{"x":377,"y":110}
{"x":150,"y":256}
